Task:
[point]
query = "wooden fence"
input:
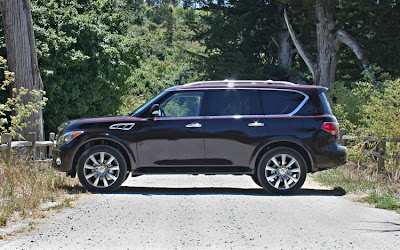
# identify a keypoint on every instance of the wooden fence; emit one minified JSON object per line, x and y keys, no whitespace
{"x":7,"y":145}
{"x":379,"y":151}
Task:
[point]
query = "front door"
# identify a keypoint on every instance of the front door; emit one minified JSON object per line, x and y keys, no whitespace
{"x":176,"y":137}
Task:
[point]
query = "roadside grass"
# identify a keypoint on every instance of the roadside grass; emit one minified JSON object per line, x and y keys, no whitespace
{"x":25,"y":186}
{"x":382,"y":190}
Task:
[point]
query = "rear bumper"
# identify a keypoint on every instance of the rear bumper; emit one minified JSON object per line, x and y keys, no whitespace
{"x":331,"y":156}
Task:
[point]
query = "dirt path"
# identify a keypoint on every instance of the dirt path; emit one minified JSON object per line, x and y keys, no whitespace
{"x":215,"y":212}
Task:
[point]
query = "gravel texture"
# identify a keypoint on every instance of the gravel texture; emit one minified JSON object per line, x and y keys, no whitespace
{"x":214,"y":212}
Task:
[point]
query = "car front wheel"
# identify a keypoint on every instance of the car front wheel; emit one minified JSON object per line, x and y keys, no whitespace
{"x":282,"y":171}
{"x":102,"y":169}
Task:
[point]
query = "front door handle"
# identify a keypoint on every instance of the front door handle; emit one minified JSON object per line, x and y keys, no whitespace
{"x":256,"y":124}
{"x":193,"y":125}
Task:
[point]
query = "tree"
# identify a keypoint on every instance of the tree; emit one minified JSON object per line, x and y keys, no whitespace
{"x":87,"y":50}
{"x":22,"y":58}
{"x":243,"y":40}
{"x":285,"y":60}
{"x":329,"y":39}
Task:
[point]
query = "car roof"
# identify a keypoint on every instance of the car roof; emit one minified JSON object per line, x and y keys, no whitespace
{"x":248,"y":84}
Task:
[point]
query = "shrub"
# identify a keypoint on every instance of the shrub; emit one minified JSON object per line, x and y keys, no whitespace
{"x":19,"y":111}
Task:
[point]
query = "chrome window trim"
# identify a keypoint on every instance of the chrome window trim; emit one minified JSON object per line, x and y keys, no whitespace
{"x":306,"y":98}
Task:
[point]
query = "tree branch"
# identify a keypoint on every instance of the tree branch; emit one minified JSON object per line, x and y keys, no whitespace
{"x":346,"y":38}
{"x":299,"y":46}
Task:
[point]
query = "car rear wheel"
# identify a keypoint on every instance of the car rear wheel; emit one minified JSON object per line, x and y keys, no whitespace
{"x":102,"y":169}
{"x":282,"y":171}
{"x":254,"y":177}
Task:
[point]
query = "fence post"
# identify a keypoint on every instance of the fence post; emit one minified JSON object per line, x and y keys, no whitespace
{"x":342,"y":131}
{"x":52,"y":137}
{"x":381,"y":151}
{"x":7,"y":138}
{"x":32,"y":149}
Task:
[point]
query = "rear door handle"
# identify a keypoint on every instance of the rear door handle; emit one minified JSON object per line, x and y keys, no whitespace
{"x":256,"y":124}
{"x":193,"y":125}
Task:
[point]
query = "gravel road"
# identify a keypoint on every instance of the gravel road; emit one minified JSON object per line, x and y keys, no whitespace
{"x":214,"y":212}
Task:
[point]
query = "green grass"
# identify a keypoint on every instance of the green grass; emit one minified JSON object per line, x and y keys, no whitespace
{"x":382,"y":190}
{"x":387,"y":201}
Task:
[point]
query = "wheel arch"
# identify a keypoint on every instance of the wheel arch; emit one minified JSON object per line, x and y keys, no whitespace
{"x":288,"y":144}
{"x":124,"y":150}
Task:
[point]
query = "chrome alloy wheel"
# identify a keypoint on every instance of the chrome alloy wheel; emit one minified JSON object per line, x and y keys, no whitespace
{"x":282,"y":171}
{"x":101,"y":169}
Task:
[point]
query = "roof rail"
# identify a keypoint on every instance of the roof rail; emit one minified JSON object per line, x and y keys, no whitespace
{"x":237,"y":82}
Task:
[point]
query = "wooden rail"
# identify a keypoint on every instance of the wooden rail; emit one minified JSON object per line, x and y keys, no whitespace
{"x":7,"y":145}
{"x":379,"y":153}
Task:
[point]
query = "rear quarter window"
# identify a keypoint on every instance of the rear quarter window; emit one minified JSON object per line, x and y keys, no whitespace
{"x":281,"y":102}
{"x":316,"y":105}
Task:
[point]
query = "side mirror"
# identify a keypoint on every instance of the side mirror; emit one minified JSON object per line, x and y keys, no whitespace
{"x":155,"y":110}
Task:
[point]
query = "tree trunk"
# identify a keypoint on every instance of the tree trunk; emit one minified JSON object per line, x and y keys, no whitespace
{"x":327,"y":47}
{"x":284,"y":46}
{"x":21,"y":55}
{"x":323,"y":68}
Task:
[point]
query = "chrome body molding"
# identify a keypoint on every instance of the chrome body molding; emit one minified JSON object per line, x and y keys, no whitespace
{"x":122,"y":126}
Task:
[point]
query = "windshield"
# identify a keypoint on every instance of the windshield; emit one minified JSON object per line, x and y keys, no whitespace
{"x":145,"y":106}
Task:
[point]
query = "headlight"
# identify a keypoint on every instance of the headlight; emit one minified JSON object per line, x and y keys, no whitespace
{"x":67,"y":137}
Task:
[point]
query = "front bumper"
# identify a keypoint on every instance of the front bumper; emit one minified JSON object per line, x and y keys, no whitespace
{"x":62,"y":160}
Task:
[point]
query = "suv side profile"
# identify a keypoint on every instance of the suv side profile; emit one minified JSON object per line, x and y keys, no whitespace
{"x":275,"y":132}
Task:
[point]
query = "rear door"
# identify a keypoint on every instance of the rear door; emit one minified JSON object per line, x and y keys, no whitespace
{"x":234,"y":127}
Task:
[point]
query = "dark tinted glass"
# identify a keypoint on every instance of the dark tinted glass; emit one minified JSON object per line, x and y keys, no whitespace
{"x":182,"y":104}
{"x":233,"y":102}
{"x":325,"y":104}
{"x":277,"y":102}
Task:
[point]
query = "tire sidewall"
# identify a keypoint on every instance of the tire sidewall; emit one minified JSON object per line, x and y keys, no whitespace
{"x":271,"y":153}
{"x":110,"y":150}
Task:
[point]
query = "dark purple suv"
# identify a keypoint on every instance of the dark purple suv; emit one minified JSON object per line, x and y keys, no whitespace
{"x":275,"y":132}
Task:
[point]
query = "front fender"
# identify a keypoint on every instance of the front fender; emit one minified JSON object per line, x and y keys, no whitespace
{"x":129,"y":149}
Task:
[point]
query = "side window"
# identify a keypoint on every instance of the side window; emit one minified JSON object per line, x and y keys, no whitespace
{"x":233,"y":102}
{"x":279,"y":102}
{"x":181,"y":104}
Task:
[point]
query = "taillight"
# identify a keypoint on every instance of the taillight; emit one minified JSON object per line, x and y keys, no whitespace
{"x":330,"y":127}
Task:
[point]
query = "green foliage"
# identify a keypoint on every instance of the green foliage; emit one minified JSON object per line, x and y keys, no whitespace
{"x":386,"y":200}
{"x":369,"y":110}
{"x":347,"y":103}
{"x":102,"y":57}
{"x":86,"y":53}
{"x":239,"y":40}
{"x":14,"y":111}
{"x":169,"y":54}
{"x":374,"y":25}
{"x":381,"y":114}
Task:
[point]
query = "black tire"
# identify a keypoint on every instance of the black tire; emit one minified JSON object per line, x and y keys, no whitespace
{"x":102,"y":169}
{"x":282,"y":171}
{"x":254,"y":177}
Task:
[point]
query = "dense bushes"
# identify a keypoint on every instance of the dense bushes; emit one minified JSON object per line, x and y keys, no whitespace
{"x":369,"y":110}
{"x":85,"y":54}
{"x":373,"y":108}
